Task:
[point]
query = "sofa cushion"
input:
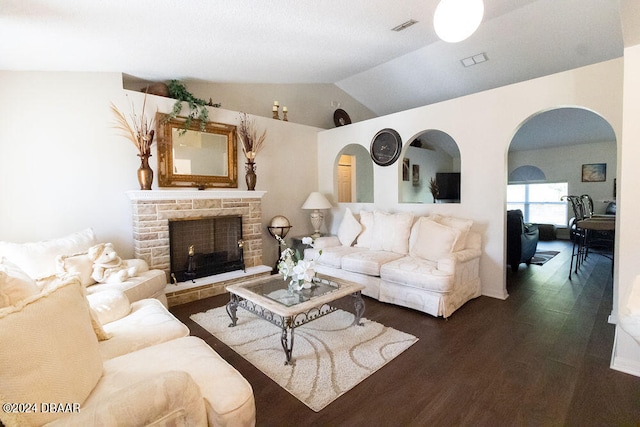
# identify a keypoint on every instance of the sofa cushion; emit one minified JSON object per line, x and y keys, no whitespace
{"x":149,"y":323}
{"x":78,"y":263}
{"x":228,"y":395}
{"x":15,"y":284}
{"x":391,"y":232}
{"x":367,"y":262}
{"x":109,"y":305}
{"x":366,"y":235}
{"x":53,"y":353}
{"x":417,"y":273}
{"x":349,"y":228}
{"x":464,"y":225}
{"x":168,"y":398}
{"x":332,"y":257}
{"x":38,"y":259}
{"x":149,"y":284}
{"x":432,"y":241}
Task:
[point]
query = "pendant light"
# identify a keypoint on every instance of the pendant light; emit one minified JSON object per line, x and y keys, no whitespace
{"x":455,"y":20}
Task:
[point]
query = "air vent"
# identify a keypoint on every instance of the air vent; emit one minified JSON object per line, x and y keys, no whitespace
{"x":404,"y":25}
{"x":475,"y":59}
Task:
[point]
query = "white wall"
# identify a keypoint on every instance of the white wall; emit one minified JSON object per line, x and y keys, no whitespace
{"x":626,"y":352}
{"x":63,"y":167}
{"x":482,"y":125}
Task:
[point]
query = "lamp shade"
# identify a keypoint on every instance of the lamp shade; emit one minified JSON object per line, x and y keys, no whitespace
{"x":455,"y":20}
{"x":316,"y":201}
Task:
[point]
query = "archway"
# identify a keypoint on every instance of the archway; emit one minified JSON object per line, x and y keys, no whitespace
{"x":429,"y":169}
{"x":549,"y":152}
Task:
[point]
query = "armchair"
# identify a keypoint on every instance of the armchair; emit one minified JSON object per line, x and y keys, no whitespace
{"x":522,"y":240}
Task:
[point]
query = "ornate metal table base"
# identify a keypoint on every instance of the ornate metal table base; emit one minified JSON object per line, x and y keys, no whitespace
{"x":288,"y":323}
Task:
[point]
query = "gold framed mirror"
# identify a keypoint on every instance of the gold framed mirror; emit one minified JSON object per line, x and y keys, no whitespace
{"x":195,"y":157}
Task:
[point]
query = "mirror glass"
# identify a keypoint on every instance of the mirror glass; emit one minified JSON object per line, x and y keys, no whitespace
{"x":353,"y":175}
{"x":195,"y":157}
{"x":429,"y":169}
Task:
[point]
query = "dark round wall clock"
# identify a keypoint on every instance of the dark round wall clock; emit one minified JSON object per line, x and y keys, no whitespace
{"x":385,"y":147}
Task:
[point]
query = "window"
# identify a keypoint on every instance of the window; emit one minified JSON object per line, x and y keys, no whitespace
{"x":540,"y":203}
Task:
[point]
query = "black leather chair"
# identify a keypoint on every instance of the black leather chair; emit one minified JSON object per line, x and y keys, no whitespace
{"x":522,"y":240}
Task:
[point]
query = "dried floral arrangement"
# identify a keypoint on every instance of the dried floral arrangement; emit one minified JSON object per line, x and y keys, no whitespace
{"x":433,"y":187}
{"x":138,"y":129}
{"x":251,"y":142}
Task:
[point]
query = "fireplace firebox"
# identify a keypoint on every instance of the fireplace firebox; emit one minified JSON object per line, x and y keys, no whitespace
{"x":201,"y":247}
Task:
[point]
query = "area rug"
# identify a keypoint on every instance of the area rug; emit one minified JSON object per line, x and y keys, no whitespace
{"x":330,"y":356}
{"x":543,"y":256}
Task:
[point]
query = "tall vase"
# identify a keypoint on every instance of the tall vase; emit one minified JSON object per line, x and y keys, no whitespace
{"x":145,"y":173}
{"x":250,"y":177}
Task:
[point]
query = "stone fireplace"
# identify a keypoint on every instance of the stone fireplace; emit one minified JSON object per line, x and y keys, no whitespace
{"x":152,"y":210}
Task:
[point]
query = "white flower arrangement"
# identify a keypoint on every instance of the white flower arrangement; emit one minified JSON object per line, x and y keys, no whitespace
{"x":293,"y":265}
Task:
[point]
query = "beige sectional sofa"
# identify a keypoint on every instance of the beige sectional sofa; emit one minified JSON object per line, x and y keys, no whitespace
{"x":429,"y":263}
{"x":70,"y":357}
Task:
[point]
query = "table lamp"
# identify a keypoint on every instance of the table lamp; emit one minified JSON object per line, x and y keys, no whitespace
{"x":316,"y":201}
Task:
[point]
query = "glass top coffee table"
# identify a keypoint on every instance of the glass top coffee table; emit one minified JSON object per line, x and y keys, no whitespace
{"x":269,"y":299}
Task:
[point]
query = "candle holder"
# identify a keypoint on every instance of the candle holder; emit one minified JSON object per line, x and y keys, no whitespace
{"x":284,"y":114}
{"x":276,"y":107}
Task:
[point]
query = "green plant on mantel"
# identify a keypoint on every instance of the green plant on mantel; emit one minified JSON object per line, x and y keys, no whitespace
{"x":197,"y":107}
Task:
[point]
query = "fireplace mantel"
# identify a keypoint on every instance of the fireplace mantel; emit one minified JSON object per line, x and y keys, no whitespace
{"x":192,"y":194}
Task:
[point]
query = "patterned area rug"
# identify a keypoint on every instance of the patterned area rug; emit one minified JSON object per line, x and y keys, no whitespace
{"x":330,"y":356}
{"x":543,"y":256}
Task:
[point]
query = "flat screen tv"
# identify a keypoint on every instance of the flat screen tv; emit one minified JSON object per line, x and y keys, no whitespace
{"x":448,"y":186}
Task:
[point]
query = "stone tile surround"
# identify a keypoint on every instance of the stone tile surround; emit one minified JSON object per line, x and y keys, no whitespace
{"x":152,"y":210}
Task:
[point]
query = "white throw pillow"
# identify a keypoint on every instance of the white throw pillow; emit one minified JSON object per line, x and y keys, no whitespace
{"x":38,"y":259}
{"x":464,"y":225}
{"x":391,"y":232}
{"x":53,"y":355}
{"x":364,"y":239}
{"x":110,"y":305}
{"x":79,"y":263}
{"x":431,"y":240}
{"x":15,"y":284}
{"x":349,"y":228}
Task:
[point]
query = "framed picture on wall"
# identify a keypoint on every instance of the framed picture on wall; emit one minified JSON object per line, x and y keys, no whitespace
{"x":416,"y":175}
{"x":594,"y":172}
{"x":405,"y":169}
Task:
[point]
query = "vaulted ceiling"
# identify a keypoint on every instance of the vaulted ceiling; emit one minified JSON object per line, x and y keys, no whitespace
{"x":348,"y":43}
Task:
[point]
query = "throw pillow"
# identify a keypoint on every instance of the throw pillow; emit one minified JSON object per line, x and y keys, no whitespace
{"x":364,"y":239}
{"x":109,"y":305}
{"x":349,"y":228}
{"x":54,"y":353}
{"x":431,"y":240}
{"x":15,"y":284}
{"x":464,"y":225}
{"x":38,"y":259}
{"x":79,"y":263}
{"x":391,"y":232}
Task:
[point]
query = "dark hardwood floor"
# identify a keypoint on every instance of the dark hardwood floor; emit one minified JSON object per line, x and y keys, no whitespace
{"x":539,"y":358}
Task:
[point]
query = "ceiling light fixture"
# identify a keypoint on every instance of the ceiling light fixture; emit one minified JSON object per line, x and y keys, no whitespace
{"x":455,"y":20}
{"x":404,"y":25}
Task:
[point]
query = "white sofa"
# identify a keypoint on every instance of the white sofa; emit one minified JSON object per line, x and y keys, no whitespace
{"x":69,"y":254}
{"x":429,"y":263}
{"x":68,"y":358}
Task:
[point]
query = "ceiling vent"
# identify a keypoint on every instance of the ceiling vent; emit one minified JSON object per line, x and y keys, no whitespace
{"x":404,"y":25}
{"x":475,"y":59}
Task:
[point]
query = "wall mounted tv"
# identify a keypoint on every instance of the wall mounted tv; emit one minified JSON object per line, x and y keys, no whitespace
{"x":448,"y":186}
